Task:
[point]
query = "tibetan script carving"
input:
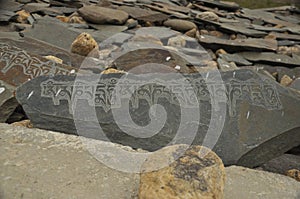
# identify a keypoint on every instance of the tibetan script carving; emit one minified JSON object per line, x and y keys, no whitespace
{"x":108,"y":93}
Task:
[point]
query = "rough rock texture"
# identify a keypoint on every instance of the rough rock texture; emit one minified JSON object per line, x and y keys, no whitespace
{"x":102,"y":15}
{"x":191,"y":176}
{"x":208,"y":16}
{"x":294,"y":173}
{"x":252,"y":184}
{"x":180,"y":25}
{"x":42,"y":164}
{"x":85,"y":45}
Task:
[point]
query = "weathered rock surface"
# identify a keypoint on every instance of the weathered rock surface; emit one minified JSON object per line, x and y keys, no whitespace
{"x":190,"y":176}
{"x":34,"y":163}
{"x":102,"y":15}
{"x":85,"y":45}
{"x":22,"y":149}
{"x":244,"y":139}
{"x":249,"y":184}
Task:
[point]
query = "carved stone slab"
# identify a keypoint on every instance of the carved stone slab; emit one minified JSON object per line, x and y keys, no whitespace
{"x":17,"y":66}
{"x":116,"y":107}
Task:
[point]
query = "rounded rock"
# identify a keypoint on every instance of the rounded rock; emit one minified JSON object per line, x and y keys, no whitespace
{"x":180,"y":25}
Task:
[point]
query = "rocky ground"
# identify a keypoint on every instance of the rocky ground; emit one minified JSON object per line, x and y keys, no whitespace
{"x":45,"y":45}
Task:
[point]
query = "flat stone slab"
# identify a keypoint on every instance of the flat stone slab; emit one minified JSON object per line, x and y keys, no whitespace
{"x":22,"y":149}
{"x":56,"y":155}
{"x":238,"y":44}
{"x":272,"y":58}
{"x":249,"y":184}
{"x":250,"y":104}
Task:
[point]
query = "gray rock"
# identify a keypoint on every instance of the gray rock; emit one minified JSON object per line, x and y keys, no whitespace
{"x":238,"y":44}
{"x":282,"y":164}
{"x":22,"y":149}
{"x":252,"y":184}
{"x":102,"y":15}
{"x":239,"y":60}
{"x":272,"y":58}
{"x":8,"y":102}
{"x":295,"y":84}
{"x":251,"y":105}
{"x":6,"y":16}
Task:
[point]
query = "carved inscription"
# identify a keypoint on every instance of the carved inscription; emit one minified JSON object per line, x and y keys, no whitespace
{"x":31,"y":65}
{"x":108,"y":93}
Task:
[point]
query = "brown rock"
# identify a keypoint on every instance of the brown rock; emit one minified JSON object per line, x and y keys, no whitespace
{"x":24,"y":123}
{"x":178,"y":41}
{"x":63,"y":18}
{"x":102,"y":15}
{"x":198,"y":173}
{"x":220,"y":52}
{"x":180,"y":25}
{"x":294,"y":173}
{"x":84,"y":44}
{"x":191,"y":33}
{"x":216,"y":33}
{"x":270,"y":36}
{"x":204,"y":32}
{"x":286,"y":80}
{"x":210,"y":16}
{"x":22,"y":16}
{"x":285,"y":50}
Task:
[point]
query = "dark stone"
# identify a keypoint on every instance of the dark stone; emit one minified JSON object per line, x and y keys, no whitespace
{"x":238,"y":45}
{"x":272,"y":58}
{"x":57,"y":33}
{"x":38,"y":47}
{"x":251,"y":104}
{"x":239,"y":60}
{"x":8,"y":102}
{"x":282,"y":164}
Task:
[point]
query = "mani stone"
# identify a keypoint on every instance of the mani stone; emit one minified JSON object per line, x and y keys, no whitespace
{"x":102,"y":15}
{"x":18,"y":66}
{"x":198,"y":173}
{"x":241,"y":113}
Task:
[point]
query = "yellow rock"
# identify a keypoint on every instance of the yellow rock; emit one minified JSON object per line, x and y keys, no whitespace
{"x":53,"y":58}
{"x":24,"y":123}
{"x":22,"y":16}
{"x":85,"y":45}
{"x":198,"y":173}
{"x":294,"y":173}
{"x":112,"y":70}
{"x":63,"y":18}
{"x":286,"y":80}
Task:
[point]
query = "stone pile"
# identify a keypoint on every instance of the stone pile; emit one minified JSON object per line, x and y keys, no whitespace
{"x":242,"y":67}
